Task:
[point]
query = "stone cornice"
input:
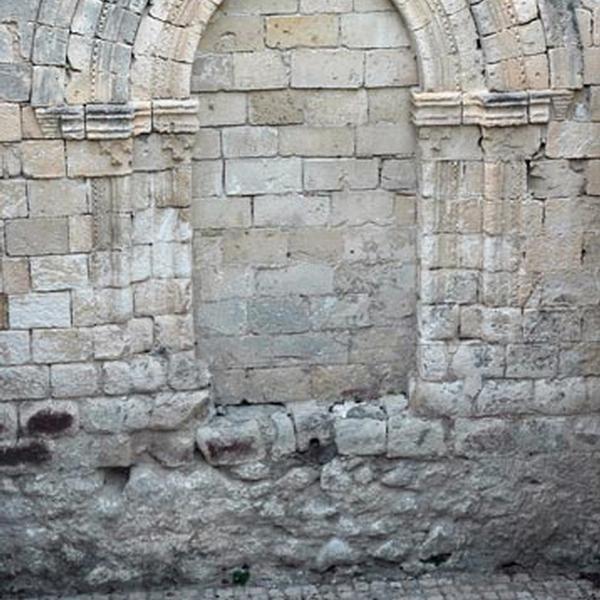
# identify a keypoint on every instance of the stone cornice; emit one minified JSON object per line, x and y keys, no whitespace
{"x":118,"y":121}
{"x":489,"y":109}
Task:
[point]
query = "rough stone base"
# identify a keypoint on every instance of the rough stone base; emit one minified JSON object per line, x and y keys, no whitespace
{"x":304,"y":517}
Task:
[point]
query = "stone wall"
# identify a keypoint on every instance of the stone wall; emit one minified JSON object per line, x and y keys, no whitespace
{"x":304,"y":203}
{"x":124,"y":456}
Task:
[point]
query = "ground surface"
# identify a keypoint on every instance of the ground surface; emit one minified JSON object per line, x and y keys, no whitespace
{"x":520,"y":587}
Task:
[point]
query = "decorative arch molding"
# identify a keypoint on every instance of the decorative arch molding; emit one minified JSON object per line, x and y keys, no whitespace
{"x":137,"y":57}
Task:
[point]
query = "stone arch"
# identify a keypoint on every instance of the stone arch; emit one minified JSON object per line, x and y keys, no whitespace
{"x":85,"y":53}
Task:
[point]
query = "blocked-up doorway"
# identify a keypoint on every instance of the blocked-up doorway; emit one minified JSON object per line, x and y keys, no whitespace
{"x":304,"y":202}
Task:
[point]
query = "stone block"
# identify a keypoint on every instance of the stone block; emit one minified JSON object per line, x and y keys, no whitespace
{"x":229,"y":33}
{"x":62,"y":345}
{"x":47,"y":310}
{"x":24,"y":382}
{"x":207,"y":177}
{"x":162,"y":297}
{"x":373,"y":30}
{"x":99,"y":158}
{"x":259,"y":71}
{"x":9,"y":423}
{"x":335,"y":108}
{"x":222,"y":108}
{"x":361,"y":208}
{"x":531,"y":360}
{"x":55,"y":273}
{"x":276,"y":107}
{"x":44,"y":158}
{"x":571,"y":139}
{"x":14,"y":347}
{"x":212,"y":72}
{"x":316,"y":141}
{"x":327,"y":68}
{"x":263,"y":176}
{"x":187,"y":372}
{"x":339,"y":174}
{"x":591,"y":66}
{"x":148,"y":373}
{"x":390,"y":68}
{"x":15,"y":275}
{"x":399,"y":175}
{"x":302,"y":31}
{"x":13,"y":199}
{"x":50,"y":45}
{"x":314,"y":425}
{"x":265,"y":247}
{"x":264,"y":385}
{"x":241,"y":142}
{"x":10,"y":117}
{"x":351,"y":311}
{"x":285,"y":315}
{"x":227,"y":317}
{"x":30,"y":237}
{"x":74,"y":380}
{"x":291,"y":210}
{"x":102,"y":306}
{"x":57,"y":198}
{"x":412,"y":437}
{"x":207,"y":144}
{"x":80,"y":233}
{"x":593,"y":177}
{"x":226,"y":443}
{"x":15,"y":82}
{"x":360,"y":437}
{"x":221,"y":213}
{"x":303,"y":279}
{"x":563,"y":397}
{"x":384,"y":139}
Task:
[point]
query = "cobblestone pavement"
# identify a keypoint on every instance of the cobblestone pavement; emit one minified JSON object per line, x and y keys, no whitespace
{"x":519,"y":587}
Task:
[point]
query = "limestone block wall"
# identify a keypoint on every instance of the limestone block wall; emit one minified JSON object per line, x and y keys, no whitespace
{"x":144,"y":440}
{"x":304,"y":203}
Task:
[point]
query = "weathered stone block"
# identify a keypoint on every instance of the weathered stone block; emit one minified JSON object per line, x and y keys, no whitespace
{"x":24,"y":382}
{"x":314,"y":69}
{"x":259,"y":71}
{"x":256,"y":176}
{"x":47,"y":310}
{"x":277,"y":107}
{"x":361,"y":436}
{"x":302,"y":31}
{"x":57,"y":198}
{"x":98,"y":158}
{"x":62,"y":346}
{"x":54,"y":273}
{"x":318,"y":141}
{"x":13,"y":199}
{"x":44,"y":158}
{"x":224,"y":443}
{"x":10,"y":117}
{"x":413,"y":437}
{"x":373,"y":30}
{"x":74,"y":380}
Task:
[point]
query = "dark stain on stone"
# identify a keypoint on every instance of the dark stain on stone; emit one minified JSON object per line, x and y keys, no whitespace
{"x":33,"y":453}
{"x":219,"y":449}
{"x":49,"y":422}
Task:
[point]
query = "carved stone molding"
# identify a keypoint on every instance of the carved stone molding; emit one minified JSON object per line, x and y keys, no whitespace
{"x":489,"y":109}
{"x":118,"y":121}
